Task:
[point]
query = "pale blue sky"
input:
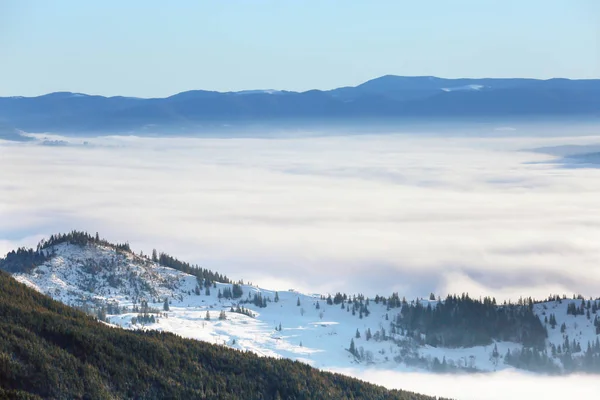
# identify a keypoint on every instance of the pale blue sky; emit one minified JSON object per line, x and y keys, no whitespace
{"x":157,"y":48}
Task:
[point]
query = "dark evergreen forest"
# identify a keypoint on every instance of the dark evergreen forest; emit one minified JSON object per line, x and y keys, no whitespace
{"x":460,"y":321}
{"x":51,"y":351}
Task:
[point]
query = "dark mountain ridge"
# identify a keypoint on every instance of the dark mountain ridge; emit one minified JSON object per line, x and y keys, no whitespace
{"x":385,"y":97}
{"x":51,"y":351}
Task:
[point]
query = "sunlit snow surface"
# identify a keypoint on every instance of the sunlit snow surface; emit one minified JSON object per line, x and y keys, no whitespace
{"x":317,"y":336}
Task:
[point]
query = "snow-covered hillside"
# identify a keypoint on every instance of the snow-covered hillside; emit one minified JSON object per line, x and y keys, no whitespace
{"x":304,"y":327}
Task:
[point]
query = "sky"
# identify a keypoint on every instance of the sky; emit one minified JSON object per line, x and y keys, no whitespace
{"x":151,"y":48}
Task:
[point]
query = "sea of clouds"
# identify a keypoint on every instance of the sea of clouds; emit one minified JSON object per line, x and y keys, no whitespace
{"x":413,"y":213}
{"x":503,"y":385}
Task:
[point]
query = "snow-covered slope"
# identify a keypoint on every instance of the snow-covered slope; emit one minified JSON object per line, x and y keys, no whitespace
{"x":293,"y":325}
{"x":94,"y":275}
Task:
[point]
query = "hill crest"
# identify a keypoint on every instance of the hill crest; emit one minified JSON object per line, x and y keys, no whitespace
{"x":109,"y":281}
{"x":385,"y":97}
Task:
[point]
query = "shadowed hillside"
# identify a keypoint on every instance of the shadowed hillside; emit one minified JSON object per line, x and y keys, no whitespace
{"x":51,"y":351}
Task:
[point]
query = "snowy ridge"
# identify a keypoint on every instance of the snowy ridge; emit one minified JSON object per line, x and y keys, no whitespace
{"x":293,"y":325}
{"x":463,"y":88}
{"x":78,"y":275}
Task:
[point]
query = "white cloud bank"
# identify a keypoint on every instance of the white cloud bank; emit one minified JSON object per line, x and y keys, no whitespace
{"x":497,"y":386}
{"x":373,"y":214}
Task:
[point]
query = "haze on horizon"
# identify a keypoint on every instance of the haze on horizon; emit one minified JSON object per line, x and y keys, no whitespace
{"x":153,"y":49}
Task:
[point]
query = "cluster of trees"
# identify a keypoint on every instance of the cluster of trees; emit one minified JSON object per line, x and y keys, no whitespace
{"x":584,"y":308}
{"x":203,"y":275}
{"x":357,"y":304}
{"x":259,"y":301}
{"x":461,"y":321}
{"x":337,"y":299}
{"x":222,"y":316}
{"x":531,"y":360}
{"x":241,"y":310}
{"x":204,"y":283}
{"x":359,"y":307}
{"x":144,"y":308}
{"x":233,"y":292}
{"x":591,"y":358}
{"x":144,"y":319}
{"x":560,"y":299}
{"x":80,"y":238}
{"x":359,"y":353}
{"x":49,"y":350}
{"x":108,"y":308}
{"x":551,"y":320}
{"x":540,"y":361}
{"x":23,"y":260}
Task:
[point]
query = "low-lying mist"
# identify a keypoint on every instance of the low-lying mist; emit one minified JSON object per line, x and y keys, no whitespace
{"x":413,"y":213}
{"x":495,"y":386}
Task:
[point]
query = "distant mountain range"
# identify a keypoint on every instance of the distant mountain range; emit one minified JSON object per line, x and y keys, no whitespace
{"x":385,"y":97}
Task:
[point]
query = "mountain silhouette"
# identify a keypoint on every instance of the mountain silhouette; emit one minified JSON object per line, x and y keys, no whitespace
{"x":385,"y":97}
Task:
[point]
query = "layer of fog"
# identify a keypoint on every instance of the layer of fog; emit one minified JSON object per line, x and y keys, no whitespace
{"x":497,"y":386}
{"x":375,"y":214}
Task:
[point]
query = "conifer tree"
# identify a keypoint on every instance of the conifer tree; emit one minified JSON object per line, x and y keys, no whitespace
{"x":166,"y":304}
{"x":237,"y":291}
{"x":552,"y":321}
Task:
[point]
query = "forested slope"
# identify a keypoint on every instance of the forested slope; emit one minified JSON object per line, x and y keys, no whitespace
{"x":51,"y":351}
